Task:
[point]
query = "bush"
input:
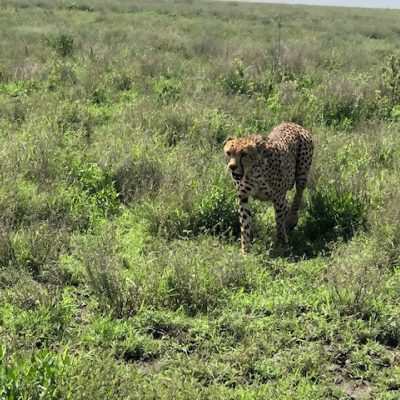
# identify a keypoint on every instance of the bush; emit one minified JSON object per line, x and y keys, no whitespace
{"x":212,"y":213}
{"x":333,"y":215}
{"x":21,"y":202}
{"x":216,"y":213}
{"x":175,"y":124}
{"x":384,"y":223}
{"x":236,"y":82}
{"x":39,"y":376}
{"x":120,"y":81}
{"x":340,"y":104}
{"x":167,"y":88}
{"x":115,"y":272}
{"x":42,"y":318}
{"x":63,"y":44}
{"x":200,"y":280}
{"x":37,"y":249}
{"x":135,"y":177}
{"x":356,"y":274}
{"x":75,"y":117}
{"x":74,"y":6}
{"x":19,"y":88}
{"x":195,"y":276}
{"x":96,"y":183}
{"x":7,"y":255}
{"x":391,"y":78}
{"x":105,"y":277}
{"x":137,"y":348}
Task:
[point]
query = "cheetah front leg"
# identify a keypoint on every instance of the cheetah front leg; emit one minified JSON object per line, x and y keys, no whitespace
{"x":281,"y":212}
{"x":245,"y":223}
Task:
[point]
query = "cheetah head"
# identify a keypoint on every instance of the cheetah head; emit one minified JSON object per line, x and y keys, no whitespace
{"x":241,"y":154}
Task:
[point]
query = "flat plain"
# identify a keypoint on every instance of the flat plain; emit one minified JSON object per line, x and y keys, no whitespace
{"x":120,"y":269}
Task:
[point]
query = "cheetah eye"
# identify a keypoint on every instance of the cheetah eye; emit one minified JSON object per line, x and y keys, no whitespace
{"x":228,"y":153}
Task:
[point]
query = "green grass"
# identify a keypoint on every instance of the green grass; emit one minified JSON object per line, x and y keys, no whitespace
{"x":120,"y":270}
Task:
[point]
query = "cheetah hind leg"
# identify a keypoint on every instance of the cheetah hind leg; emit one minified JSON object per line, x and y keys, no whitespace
{"x":281,"y":213}
{"x":291,"y":221}
{"x":292,"y":217}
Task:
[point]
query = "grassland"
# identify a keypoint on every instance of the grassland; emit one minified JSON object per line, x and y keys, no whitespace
{"x":120,"y":271}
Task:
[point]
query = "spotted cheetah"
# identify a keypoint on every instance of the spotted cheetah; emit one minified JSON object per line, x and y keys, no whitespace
{"x":265,"y":168}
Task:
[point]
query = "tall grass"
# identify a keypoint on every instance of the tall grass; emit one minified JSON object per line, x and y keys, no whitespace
{"x":120,"y":272}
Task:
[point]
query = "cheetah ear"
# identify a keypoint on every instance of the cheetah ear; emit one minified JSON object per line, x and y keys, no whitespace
{"x":259,"y":140}
{"x":227,"y":140}
{"x":256,"y":146}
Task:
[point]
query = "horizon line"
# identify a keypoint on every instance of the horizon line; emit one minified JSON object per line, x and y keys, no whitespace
{"x":313,"y":4}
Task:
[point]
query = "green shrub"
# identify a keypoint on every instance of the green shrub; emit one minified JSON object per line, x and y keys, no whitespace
{"x":98,"y":95}
{"x":37,"y":249}
{"x":63,"y":44}
{"x":98,"y":187}
{"x":75,"y":118}
{"x":22,"y":202}
{"x":160,"y":323}
{"x":104,"y":274}
{"x":24,"y":292}
{"x":340,"y":105}
{"x":357,"y":274}
{"x":333,"y":214}
{"x":37,"y":320}
{"x":383,"y":222}
{"x":167,"y":88}
{"x":74,"y":6}
{"x":72,"y":208}
{"x":39,"y":376}
{"x":219,"y":126}
{"x":19,"y":88}
{"x":177,"y":125}
{"x":137,"y":348}
{"x":200,"y":275}
{"x":14,"y":110}
{"x":236,"y":82}
{"x":215,"y":213}
{"x":7,"y":253}
{"x":391,"y":78}
{"x":239,"y":81}
{"x":137,"y":176}
{"x":193,"y":275}
{"x":35,"y":156}
{"x":121,"y":81}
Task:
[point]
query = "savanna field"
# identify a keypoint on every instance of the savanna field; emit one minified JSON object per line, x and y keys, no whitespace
{"x":120,"y":268}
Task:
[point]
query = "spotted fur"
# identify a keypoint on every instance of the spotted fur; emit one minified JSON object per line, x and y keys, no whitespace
{"x":265,"y":168}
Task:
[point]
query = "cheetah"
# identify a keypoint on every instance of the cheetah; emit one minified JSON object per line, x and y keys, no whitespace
{"x":265,"y":168}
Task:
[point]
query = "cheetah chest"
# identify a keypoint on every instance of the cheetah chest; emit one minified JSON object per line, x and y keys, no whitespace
{"x":257,"y":184}
{"x":267,"y":182}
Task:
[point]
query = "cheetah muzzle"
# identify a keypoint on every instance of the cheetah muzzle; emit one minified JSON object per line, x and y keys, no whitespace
{"x":269,"y":167}
{"x":237,"y":177}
